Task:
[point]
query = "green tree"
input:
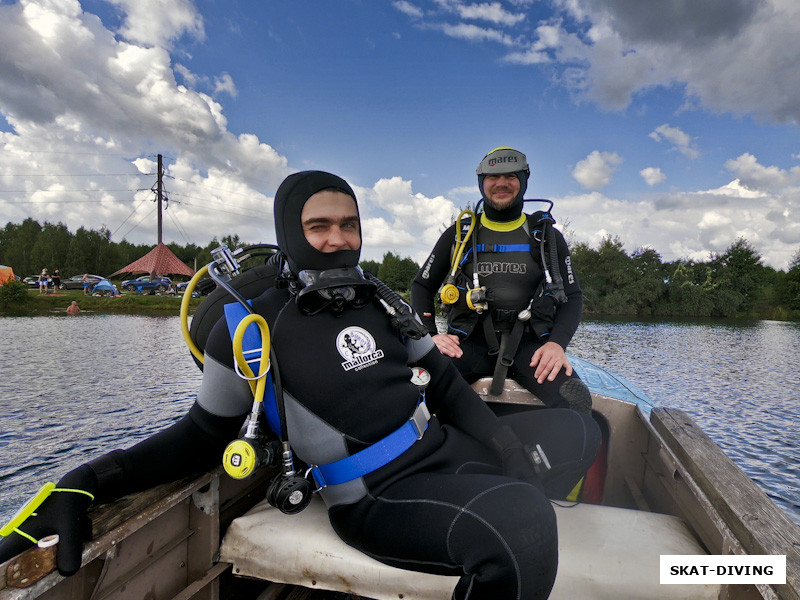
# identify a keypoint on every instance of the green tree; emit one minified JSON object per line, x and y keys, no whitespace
{"x":17,"y":244}
{"x":790,"y":288}
{"x":396,"y":272}
{"x":373,"y":266}
{"x":647,"y":288}
{"x":90,"y":252}
{"x":685,"y":296}
{"x":13,"y":293}
{"x":739,"y":273}
{"x":584,"y":262}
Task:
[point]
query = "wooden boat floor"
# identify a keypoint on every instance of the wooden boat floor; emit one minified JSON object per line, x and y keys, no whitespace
{"x":604,"y":553}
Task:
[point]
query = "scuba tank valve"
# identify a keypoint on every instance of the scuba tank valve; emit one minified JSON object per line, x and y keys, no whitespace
{"x":225,"y":261}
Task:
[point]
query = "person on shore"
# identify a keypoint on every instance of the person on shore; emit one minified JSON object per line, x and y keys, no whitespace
{"x":87,"y":285}
{"x":466,"y":479}
{"x":73,"y":308}
{"x":513,"y":301}
{"x":56,"y":280}
{"x":44,"y":279}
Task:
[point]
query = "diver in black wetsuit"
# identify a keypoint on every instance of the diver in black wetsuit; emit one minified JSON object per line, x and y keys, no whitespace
{"x":464,"y":499}
{"x":504,"y":250}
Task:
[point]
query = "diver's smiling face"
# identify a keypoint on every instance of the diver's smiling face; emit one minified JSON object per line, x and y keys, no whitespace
{"x":501,"y":189}
{"x":330,"y":221}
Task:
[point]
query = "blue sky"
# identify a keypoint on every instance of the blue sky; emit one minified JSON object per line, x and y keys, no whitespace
{"x":671,"y":125}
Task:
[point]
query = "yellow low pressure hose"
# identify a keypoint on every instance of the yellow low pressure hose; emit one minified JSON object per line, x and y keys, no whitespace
{"x":449,"y":293}
{"x":243,"y":455}
{"x":187,"y":297}
{"x":257,"y":383}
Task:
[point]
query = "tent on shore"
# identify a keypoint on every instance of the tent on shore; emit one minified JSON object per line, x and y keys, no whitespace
{"x":159,"y":261}
{"x":6,"y":274}
{"x":104,"y":285}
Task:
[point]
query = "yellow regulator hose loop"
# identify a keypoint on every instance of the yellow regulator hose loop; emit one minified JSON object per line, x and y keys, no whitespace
{"x":449,"y":293}
{"x":187,"y":297}
{"x":257,"y":382}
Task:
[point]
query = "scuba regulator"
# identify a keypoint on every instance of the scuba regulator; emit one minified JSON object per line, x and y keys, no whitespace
{"x":476,"y":296}
{"x":289,"y":491}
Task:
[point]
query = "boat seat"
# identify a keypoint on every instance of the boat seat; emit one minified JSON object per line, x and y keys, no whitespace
{"x":604,"y":553}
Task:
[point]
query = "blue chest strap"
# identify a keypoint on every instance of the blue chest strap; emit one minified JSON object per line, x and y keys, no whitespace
{"x":251,"y":348}
{"x":377,"y":455}
{"x":496,"y":248}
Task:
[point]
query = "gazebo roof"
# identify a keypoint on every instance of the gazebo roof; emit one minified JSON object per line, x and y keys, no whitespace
{"x":160,"y":260}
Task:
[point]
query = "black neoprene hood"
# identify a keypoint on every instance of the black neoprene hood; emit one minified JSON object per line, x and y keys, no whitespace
{"x":290,"y":198}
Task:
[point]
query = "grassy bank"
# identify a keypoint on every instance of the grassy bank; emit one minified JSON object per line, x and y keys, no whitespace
{"x":128,"y":303}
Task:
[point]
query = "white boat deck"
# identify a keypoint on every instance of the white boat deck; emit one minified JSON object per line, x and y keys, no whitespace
{"x":605,"y":553}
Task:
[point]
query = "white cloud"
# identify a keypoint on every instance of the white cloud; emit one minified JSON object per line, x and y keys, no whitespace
{"x":80,"y":100}
{"x":467,"y":31}
{"x":679,"y":139}
{"x":401,"y":221}
{"x":632,"y":46}
{"x":408,"y":9}
{"x":489,"y":11}
{"x":689,"y":224}
{"x":754,"y":175}
{"x":157,"y":23}
{"x":595,"y":171}
{"x":653,"y":175}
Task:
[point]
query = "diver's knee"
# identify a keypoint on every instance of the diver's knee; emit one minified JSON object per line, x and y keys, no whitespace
{"x":576,"y":395}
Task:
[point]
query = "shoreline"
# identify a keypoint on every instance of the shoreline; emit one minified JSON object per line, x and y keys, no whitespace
{"x":55,"y":304}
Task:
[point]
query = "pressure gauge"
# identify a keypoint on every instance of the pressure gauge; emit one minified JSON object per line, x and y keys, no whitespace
{"x":420,"y":377}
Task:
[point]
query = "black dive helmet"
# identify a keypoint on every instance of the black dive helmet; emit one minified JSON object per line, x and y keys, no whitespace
{"x":496,"y":162}
{"x":319,"y":280}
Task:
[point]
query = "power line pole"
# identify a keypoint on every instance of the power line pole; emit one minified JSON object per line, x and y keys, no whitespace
{"x":159,"y":193}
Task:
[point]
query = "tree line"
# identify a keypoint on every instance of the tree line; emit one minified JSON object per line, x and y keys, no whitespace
{"x":29,"y":247}
{"x":614,"y":282}
{"x":733,"y":283}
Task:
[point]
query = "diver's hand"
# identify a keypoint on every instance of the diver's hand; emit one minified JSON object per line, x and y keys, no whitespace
{"x":516,"y":461}
{"x":448,"y":344}
{"x":62,"y":513}
{"x":549,"y":359}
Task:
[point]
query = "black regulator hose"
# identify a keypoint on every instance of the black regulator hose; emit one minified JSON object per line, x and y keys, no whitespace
{"x":557,"y":284}
{"x":400,"y":313}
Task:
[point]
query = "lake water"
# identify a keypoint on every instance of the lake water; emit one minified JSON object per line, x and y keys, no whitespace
{"x":72,"y":388}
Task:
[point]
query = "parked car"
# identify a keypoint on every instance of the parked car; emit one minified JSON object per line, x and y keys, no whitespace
{"x":33,"y":281}
{"x":76,"y":282}
{"x":147,"y":283}
{"x":203,"y":287}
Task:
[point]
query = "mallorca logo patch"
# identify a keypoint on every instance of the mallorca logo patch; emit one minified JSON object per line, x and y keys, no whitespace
{"x":357,"y":347}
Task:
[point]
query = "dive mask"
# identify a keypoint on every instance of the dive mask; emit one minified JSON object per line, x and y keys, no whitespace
{"x":333,"y":289}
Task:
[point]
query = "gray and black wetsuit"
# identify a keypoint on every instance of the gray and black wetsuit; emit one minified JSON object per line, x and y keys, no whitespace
{"x":444,"y":506}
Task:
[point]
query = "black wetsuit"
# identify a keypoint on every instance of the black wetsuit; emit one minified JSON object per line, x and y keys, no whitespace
{"x":512,"y":279}
{"x":444,"y":506}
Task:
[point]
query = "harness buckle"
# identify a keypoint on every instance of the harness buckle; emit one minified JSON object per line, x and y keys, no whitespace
{"x":314,"y":474}
{"x":420,"y":419}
